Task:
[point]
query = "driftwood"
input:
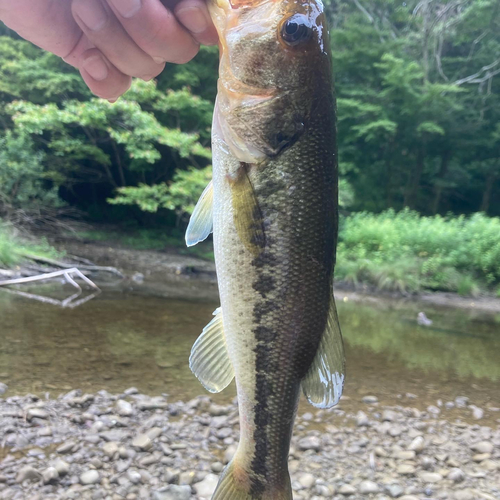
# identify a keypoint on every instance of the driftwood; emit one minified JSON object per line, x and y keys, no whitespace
{"x":67,"y":274}
{"x":82,"y":267}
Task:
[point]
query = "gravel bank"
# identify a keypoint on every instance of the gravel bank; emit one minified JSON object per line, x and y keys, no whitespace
{"x":131,"y":446}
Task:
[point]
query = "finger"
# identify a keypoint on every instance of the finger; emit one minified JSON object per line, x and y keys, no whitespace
{"x":155,"y":29}
{"x":194,"y":15}
{"x":102,"y":28}
{"x":103,"y":79}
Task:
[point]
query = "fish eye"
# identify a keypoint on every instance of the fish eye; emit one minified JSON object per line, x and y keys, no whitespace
{"x":296,"y":30}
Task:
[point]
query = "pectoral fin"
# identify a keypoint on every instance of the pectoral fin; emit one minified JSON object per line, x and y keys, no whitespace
{"x":201,"y":222}
{"x":324,"y":381}
{"x":247,"y":215}
{"x":209,"y":359}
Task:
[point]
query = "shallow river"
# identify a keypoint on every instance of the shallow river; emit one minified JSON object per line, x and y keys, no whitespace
{"x":120,"y":340}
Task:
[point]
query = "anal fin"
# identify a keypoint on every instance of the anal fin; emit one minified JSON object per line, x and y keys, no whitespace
{"x":324,"y":382}
{"x":209,"y":359}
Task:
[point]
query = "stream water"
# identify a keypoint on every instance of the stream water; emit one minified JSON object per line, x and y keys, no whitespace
{"x":120,"y":339}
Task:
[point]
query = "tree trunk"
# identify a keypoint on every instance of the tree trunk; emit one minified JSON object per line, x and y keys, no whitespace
{"x":438,"y":189}
{"x":490,"y":182}
{"x":414,"y":180}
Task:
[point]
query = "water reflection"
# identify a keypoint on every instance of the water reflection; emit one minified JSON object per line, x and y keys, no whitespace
{"x":122,"y":340}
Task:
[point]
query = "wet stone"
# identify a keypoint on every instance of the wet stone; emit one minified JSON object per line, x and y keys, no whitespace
{"x":90,"y":477}
{"x":368,"y":488}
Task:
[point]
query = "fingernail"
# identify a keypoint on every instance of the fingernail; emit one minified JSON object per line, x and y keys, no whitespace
{"x":193,"y":18}
{"x":92,"y":14}
{"x":96,"y":68}
{"x":127,"y":8}
{"x":159,"y":60}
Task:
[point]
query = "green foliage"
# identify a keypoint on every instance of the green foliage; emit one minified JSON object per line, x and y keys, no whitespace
{"x":407,"y":252}
{"x":14,"y":249}
{"x":180,"y":195}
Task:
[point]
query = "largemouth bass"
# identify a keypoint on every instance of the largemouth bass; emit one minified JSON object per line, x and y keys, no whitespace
{"x":272,"y":206}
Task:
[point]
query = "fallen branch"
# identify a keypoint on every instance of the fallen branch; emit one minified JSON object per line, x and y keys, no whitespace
{"x":64,"y":265}
{"x":67,"y":274}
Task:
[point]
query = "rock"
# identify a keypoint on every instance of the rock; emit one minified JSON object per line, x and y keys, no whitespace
{"x":405,"y":455}
{"x":90,"y":477}
{"x":66,"y":447}
{"x":307,"y":480}
{"x":186,"y":478}
{"x":482,"y":447}
{"x":310,"y":443}
{"x":368,"y":488}
{"x":206,"y":487}
{"x":466,"y":494}
{"x":50,"y":475}
{"x":36,"y":413}
{"x":124,"y":408}
{"x":152,"y":404}
{"x":142,"y":442}
{"x":362,"y":419}
{"x":481,"y":456}
{"x":477,"y":413}
{"x":394,"y":490}
{"x":405,"y":470}
{"x":370,"y":400}
{"x":110,"y":449}
{"x":389,"y":416}
{"x":218,"y":410}
{"x":61,"y":467}
{"x":417,"y":445}
{"x":490,"y":465}
{"x":217,"y":467}
{"x":347,"y":490}
{"x":134,"y":476}
{"x":461,"y":401}
{"x":27,"y":473}
{"x":430,"y":477}
{"x":173,"y":492}
{"x":434,"y":410}
{"x":229,"y":453}
{"x":3,"y":388}
{"x":456,"y":475}
{"x":380,"y":452}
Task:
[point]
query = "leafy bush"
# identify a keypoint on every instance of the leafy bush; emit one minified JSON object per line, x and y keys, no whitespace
{"x":14,"y":249}
{"x":405,"y":251}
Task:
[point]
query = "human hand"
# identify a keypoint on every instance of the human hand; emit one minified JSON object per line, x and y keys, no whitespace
{"x":111,"y":41}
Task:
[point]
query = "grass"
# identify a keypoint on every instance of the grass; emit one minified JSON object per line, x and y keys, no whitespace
{"x":410,"y":253}
{"x":13,"y":249}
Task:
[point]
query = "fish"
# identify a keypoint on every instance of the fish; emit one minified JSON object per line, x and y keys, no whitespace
{"x":272,"y":206}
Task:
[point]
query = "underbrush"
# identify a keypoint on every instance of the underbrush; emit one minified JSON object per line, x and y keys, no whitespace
{"x":14,"y":249}
{"x":409,"y":253}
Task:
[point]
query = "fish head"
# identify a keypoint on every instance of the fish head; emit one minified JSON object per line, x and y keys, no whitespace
{"x":274,"y":69}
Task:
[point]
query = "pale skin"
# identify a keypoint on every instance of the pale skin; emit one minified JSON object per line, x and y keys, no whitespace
{"x":112,"y":41}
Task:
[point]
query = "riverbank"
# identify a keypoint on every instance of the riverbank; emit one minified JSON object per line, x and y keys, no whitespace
{"x":104,"y":446}
{"x":154,"y":271}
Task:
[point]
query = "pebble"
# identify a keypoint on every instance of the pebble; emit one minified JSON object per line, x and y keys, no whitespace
{"x":310,"y":443}
{"x":430,"y":477}
{"x":124,"y":408}
{"x":206,"y":488}
{"x":27,"y":473}
{"x":456,"y":475}
{"x":307,"y":480}
{"x":394,"y":490}
{"x":368,"y":488}
{"x":482,"y":447}
{"x":36,"y":413}
{"x":173,"y":492}
{"x":142,"y":442}
{"x":417,"y":445}
{"x":90,"y":477}
{"x":347,"y":490}
{"x":50,"y":475}
{"x":61,"y":467}
{"x":477,"y":413}
{"x":3,"y":388}
{"x":405,"y":469}
{"x":370,"y":399}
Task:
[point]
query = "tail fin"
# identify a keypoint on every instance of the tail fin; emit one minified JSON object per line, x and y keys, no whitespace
{"x":236,"y":484}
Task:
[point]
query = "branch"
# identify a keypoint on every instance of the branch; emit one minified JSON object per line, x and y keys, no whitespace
{"x":473,"y":77}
